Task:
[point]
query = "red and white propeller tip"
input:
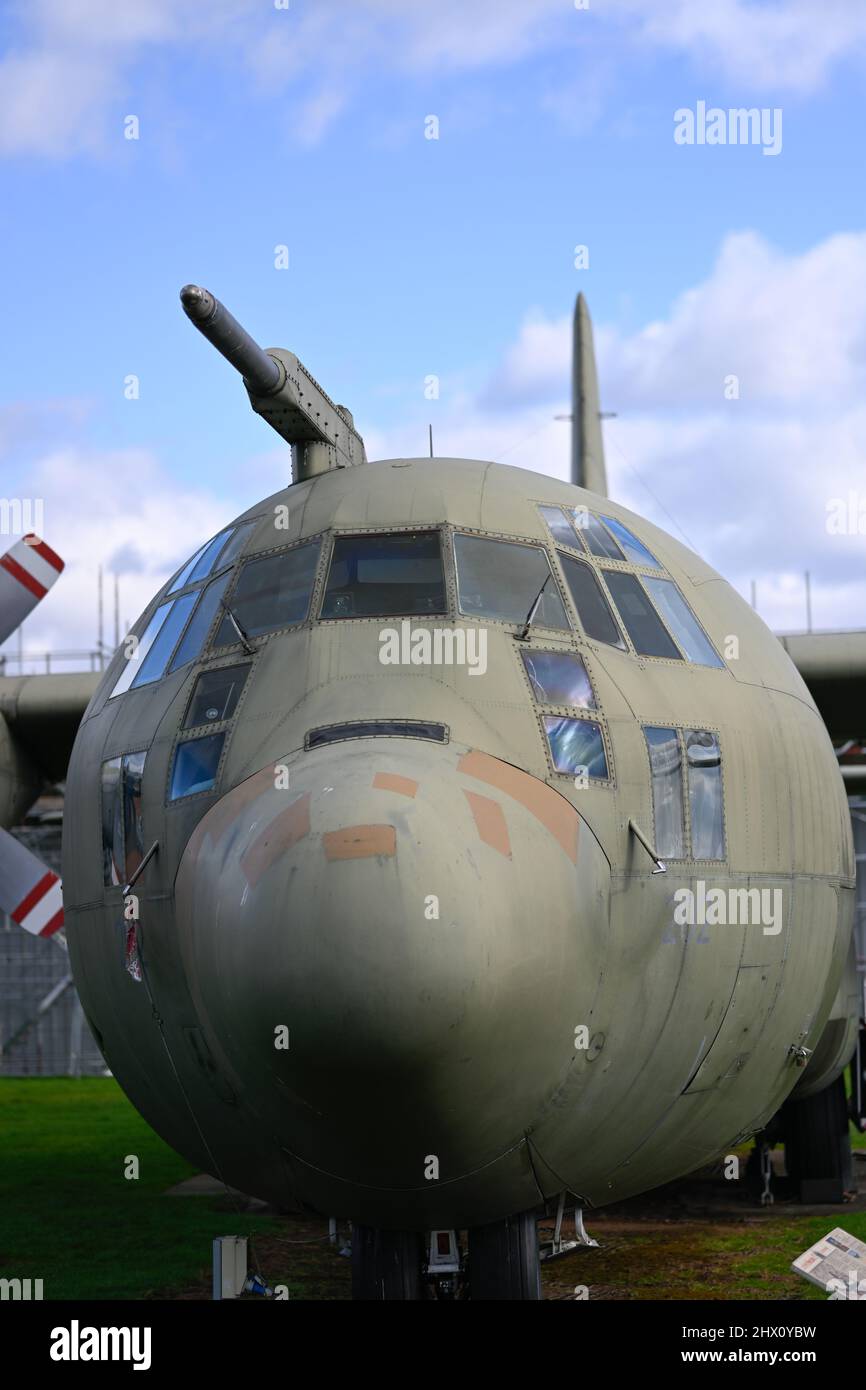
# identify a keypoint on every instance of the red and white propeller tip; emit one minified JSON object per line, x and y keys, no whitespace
{"x":27,"y":572}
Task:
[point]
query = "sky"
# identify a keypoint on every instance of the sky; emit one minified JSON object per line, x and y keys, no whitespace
{"x":146,"y":145}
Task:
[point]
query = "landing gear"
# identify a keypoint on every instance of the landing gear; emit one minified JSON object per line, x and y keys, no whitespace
{"x":503,"y":1259}
{"x":817,"y":1144}
{"x":386,"y":1265}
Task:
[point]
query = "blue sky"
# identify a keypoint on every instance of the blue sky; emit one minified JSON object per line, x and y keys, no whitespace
{"x":305,"y":126}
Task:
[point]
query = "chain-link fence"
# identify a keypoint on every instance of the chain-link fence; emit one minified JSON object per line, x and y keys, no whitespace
{"x":43,"y":1031}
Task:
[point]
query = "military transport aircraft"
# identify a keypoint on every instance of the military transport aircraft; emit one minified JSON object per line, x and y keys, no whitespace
{"x":445,"y":838}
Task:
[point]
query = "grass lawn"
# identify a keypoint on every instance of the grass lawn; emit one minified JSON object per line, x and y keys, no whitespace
{"x":70,"y":1218}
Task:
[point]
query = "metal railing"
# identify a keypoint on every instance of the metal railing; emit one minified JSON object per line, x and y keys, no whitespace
{"x":44,"y":663}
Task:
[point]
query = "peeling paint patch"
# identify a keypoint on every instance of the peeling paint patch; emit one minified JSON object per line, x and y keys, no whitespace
{"x":490,"y":822}
{"x":393,"y":782}
{"x":360,"y":842}
{"x":285,"y":830}
{"x":222,"y":816}
{"x":553,"y":811}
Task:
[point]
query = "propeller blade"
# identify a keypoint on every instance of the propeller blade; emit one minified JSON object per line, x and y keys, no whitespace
{"x":27,"y":572}
{"x":29,"y":892}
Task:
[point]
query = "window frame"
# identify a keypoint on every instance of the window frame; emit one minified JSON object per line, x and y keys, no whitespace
{"x":685,"y":790}
{"x":195,"y":736}
{"x":232,"y":648}
{"x":576,"y":544}
{"x":593,"y":716}
{"x":222,"y":665}
{"x":347,"y":532}
{"x":624,"y":645}
{"x":680,"y":660}
{"x":564,"y":633}
{"x":667,"y":578}
{"x":120,"y":793}
{"x":572,"y":652}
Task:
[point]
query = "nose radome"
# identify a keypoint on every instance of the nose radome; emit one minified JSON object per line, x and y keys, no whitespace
{"x":404,"y":938}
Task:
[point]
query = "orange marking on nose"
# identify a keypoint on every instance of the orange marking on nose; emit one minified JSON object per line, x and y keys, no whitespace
{"x":553,"y":811}
{"x":490,"y":822}
{"x":393,"y":782}
{"x":360,"y":842}
{"x":285,"y":830}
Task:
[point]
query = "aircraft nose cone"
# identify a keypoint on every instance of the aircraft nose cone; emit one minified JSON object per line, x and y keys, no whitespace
{"x":390,"y":950}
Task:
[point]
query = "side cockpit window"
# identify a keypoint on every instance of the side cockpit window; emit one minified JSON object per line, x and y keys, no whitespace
{"x":704,"y":769}
{"x":592,"y":606}
{"x":176,"y":632}
{"x":214,"y":555}
{"x":381,"y":575}
{"x":272,"y":592}
{"x":648,"y":633}
{"x":216,"y":695}
{"x":635,"y":550}
{"x":686,"y":769}
{"x":650,"y":607}
{"x":559,"y":678}
{"x":196,"y":762}
{"x":665,"y":756}
{"x":198,"y":753}
{"x":682,"y":622}
{"x":122,"y":840}
{"x":560,"y":524}
{"x":506,"y":580}
{"x":576,"y":745}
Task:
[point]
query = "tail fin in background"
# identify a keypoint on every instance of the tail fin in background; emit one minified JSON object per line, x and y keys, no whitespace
{"x":587,"y":445}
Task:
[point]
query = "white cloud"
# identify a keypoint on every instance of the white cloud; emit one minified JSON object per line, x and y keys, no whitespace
{"x":786,"y":45}
{"x":122,"y":510}
{"x":72,"y":62}
{"x":746,"y":482}
{"x":791,"y":328}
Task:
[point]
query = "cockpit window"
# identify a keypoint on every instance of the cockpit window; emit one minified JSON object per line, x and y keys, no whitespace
{"x":704,"y":764}
{"x":559,"y":678}
{"x":682,"y":622}
{"x":635,"y":550}
{"x":200,"y":622}
{"x":141,"y":649}
{"x":598,"y":540}
{"x":216,"y":553}
{"x":642,"y":622}
{"x":152,"y":666}
{"x":383,"y":576}
{"x":560,"y":527}
{"x":207,"y":558}
{"x":195,"y":765}
{"x":503,"y":580}
{"x":183,"y":576}
{"x":216,"y":695}
{"x":576,"y":746}
{"x":272,"y":592}
{"x":593,"y":609}
{"x":180,"y":625}
{"x":665,"y":758}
